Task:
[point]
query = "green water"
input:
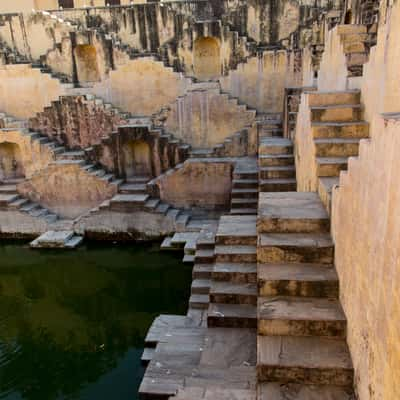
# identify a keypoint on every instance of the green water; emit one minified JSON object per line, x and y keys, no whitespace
{"x":72,"y":324}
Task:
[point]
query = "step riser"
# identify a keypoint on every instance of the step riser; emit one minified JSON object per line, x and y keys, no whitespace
{"x":280,"y":225}
{"x":330,"y":170}
{"x":199,"y":274}
{"x":277,"y":150}
{"x":237,"y":240}
{"x":352,"y":131}
{"x":245,"y":195}
{"x":238,"y":175}
{"x":245,"y":204}
{"x":336,"y":149}
{"x":322,"y":289}
{"x":345,"y":114}
{"x":198,"y":306}
{"x":200,"y":290}
{"x":225,"y":298}
{"x":278,"y":187}
{"x":235,"y":277}
{"x":203,"y":260}
{"x":335,"y":329}
{"x":231,"y":322}
{"x":314,"y":376}
{"x":277,"y":174}
{"x":333,"y":99}
{"x":276,"y":162}
{"x":245,"y":185}
{"x":285,"y":254}
{"x":236,"y":258}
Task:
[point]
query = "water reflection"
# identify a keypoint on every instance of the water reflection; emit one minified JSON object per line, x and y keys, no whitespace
{"x":72,"y":324}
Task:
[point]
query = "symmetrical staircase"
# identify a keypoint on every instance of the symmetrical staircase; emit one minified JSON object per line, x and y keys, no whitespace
{"x":302,"y":349}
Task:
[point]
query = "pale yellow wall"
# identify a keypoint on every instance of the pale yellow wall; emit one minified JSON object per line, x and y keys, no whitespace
{"x":260,"y":82}
{"x":141,"y":86}
{"x":204,"y":118}
{"x":11,"y":6}
{"x":46,"y":4}
{"x":366,"y":227}
{"x":24,"y":91}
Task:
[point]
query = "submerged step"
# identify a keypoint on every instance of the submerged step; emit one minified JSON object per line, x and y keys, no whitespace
{"x":57,"y":239}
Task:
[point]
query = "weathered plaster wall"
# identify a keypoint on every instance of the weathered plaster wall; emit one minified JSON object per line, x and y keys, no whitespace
{"x":210,"y":185}
{"x":16,"y":6}
{"x":365,"y":224}
{"x":66,"y":190}
{"x":141,"y":86}
{"x":204,"y":118}
{"x":24,"y":91}
{"x":34,"y":157}
{"x":260,"y":82}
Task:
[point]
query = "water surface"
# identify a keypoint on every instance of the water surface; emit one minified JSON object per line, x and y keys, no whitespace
{"x":72,"y":323}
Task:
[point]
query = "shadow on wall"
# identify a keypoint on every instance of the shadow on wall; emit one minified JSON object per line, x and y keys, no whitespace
{"x":137,"y":159}
{"x":86,"y":63}
{"x":207,"y":59}
{"x":11,"y":166}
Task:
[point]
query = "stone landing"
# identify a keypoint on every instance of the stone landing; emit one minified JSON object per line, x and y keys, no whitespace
{"x":57,"y":240}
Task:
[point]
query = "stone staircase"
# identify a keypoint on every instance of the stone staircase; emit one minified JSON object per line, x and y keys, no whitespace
{"x":269,"y":125}
{"x":276,"y":165}
{"x":233,"y":289}
{"x":244,"y":195}
{"x":337,"y":128}
{"x":301,"y":345}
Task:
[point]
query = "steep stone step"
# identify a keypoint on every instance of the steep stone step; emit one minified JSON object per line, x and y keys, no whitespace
{"x":300,"y":316}
{"x":250,"y":174}
{"x":319,"y":98}
{"x":336,"y":147}
{"x":337,"y":113}
{"x":267,"y":160}
{"x":325,"y":186}
{"x":351,"y":29}
{"x":244,"y":211}
{"x":72,"y":155}
{"x":8,"y":189}
{"x":204,"y":256}
{"x":245,"y":183}
{"x":232,"y":315}
{"x":202,"y":271}
{"x":244,"y":193}
{"x":291,"y":212}
{"x":308,"y":280}
{"x":237,"y":230}
{"x":235,"y":272}
{"x":127,"y":202}
{"x":132,"y":188}
{"x":296,"y":391}
{"x":331,"y":166}
{"x":201,"y":286}
{"x":7,"y":199}
{"x":199,"y":301}
{"x":305,"y":360}
{"x":295,"y":248}
{"x":275,"y":146}
{"x":358,"y":129}
{"x":244,"y":203}
{"x":57,"y":239}
{"x":138,"y":179}
{"x":233,"y":293}
{"x":278,"y":185}
{"x":277,"y":172}
{"x":235,"y":253}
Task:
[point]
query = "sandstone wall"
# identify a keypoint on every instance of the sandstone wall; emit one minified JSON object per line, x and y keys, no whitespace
{"x":16,"y":6}
{"x":204,"y":118}
{"x":34,"y":157}
{"x":24,"y":91}
{"x":141,"y":86}
{"x":66,"y":190}
{"x":209,"y":188}
{"x":365,"y":224}
{"x":260,"y":82}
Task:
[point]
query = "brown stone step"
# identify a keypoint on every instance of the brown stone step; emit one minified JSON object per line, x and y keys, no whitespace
{"x":297,"y":391}
{"x":309,"y":280}
{"x":232,"y":316}
{"x":245,"y":193}
{"x":336,"y":147}
{"x":336,"y":113}
{"x":204,"y":256}
{"x":331,"y":166}
{"x":244,"y":203}
{"x":305,"y":360}
{"x":285,"y":212}
{"x":295,"y":248}
{"x":132,"y":188}
{"x":357,"y":129}
{"x":235,"y":253}
{"x":235,"y":272}
{"x":128,"y":202}
{"x":325,"y":186}
{"x":268,"y":160}
{"x":244,"y":211}
{"x":300,"y":316}
{"x":237,"y":229}
{"x":233,"y":293}
{"x":252,"y":174}
{"x":277,"y":172}
{"x":278,"y":185}
{"x":275,"y":146}
{"x":202,"y":271}
{"x":245,"y":183}
{"x":333,"y":98}
{"x":201,"y":286}
{"x":199,"y":301}
{"x":7,"y":199}
{"x":8,"y":189}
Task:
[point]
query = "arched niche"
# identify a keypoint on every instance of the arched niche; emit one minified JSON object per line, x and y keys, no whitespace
{"x":207,"y":58}
{"x":137,"y":159}
{"x":348,"y":17}
{"x":86,"y":63}
{"x":11,"y":165}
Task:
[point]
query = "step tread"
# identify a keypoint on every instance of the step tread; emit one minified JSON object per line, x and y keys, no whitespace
{"x":303,"y":352}
{"x":235,"y":249}
{"x":232,"y":310}
{"x":299,"y":309}
{"x":296,"y":239}
{"x":224,"y":287}
{"x":332,"y":160}
{"x":336,"y":140}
